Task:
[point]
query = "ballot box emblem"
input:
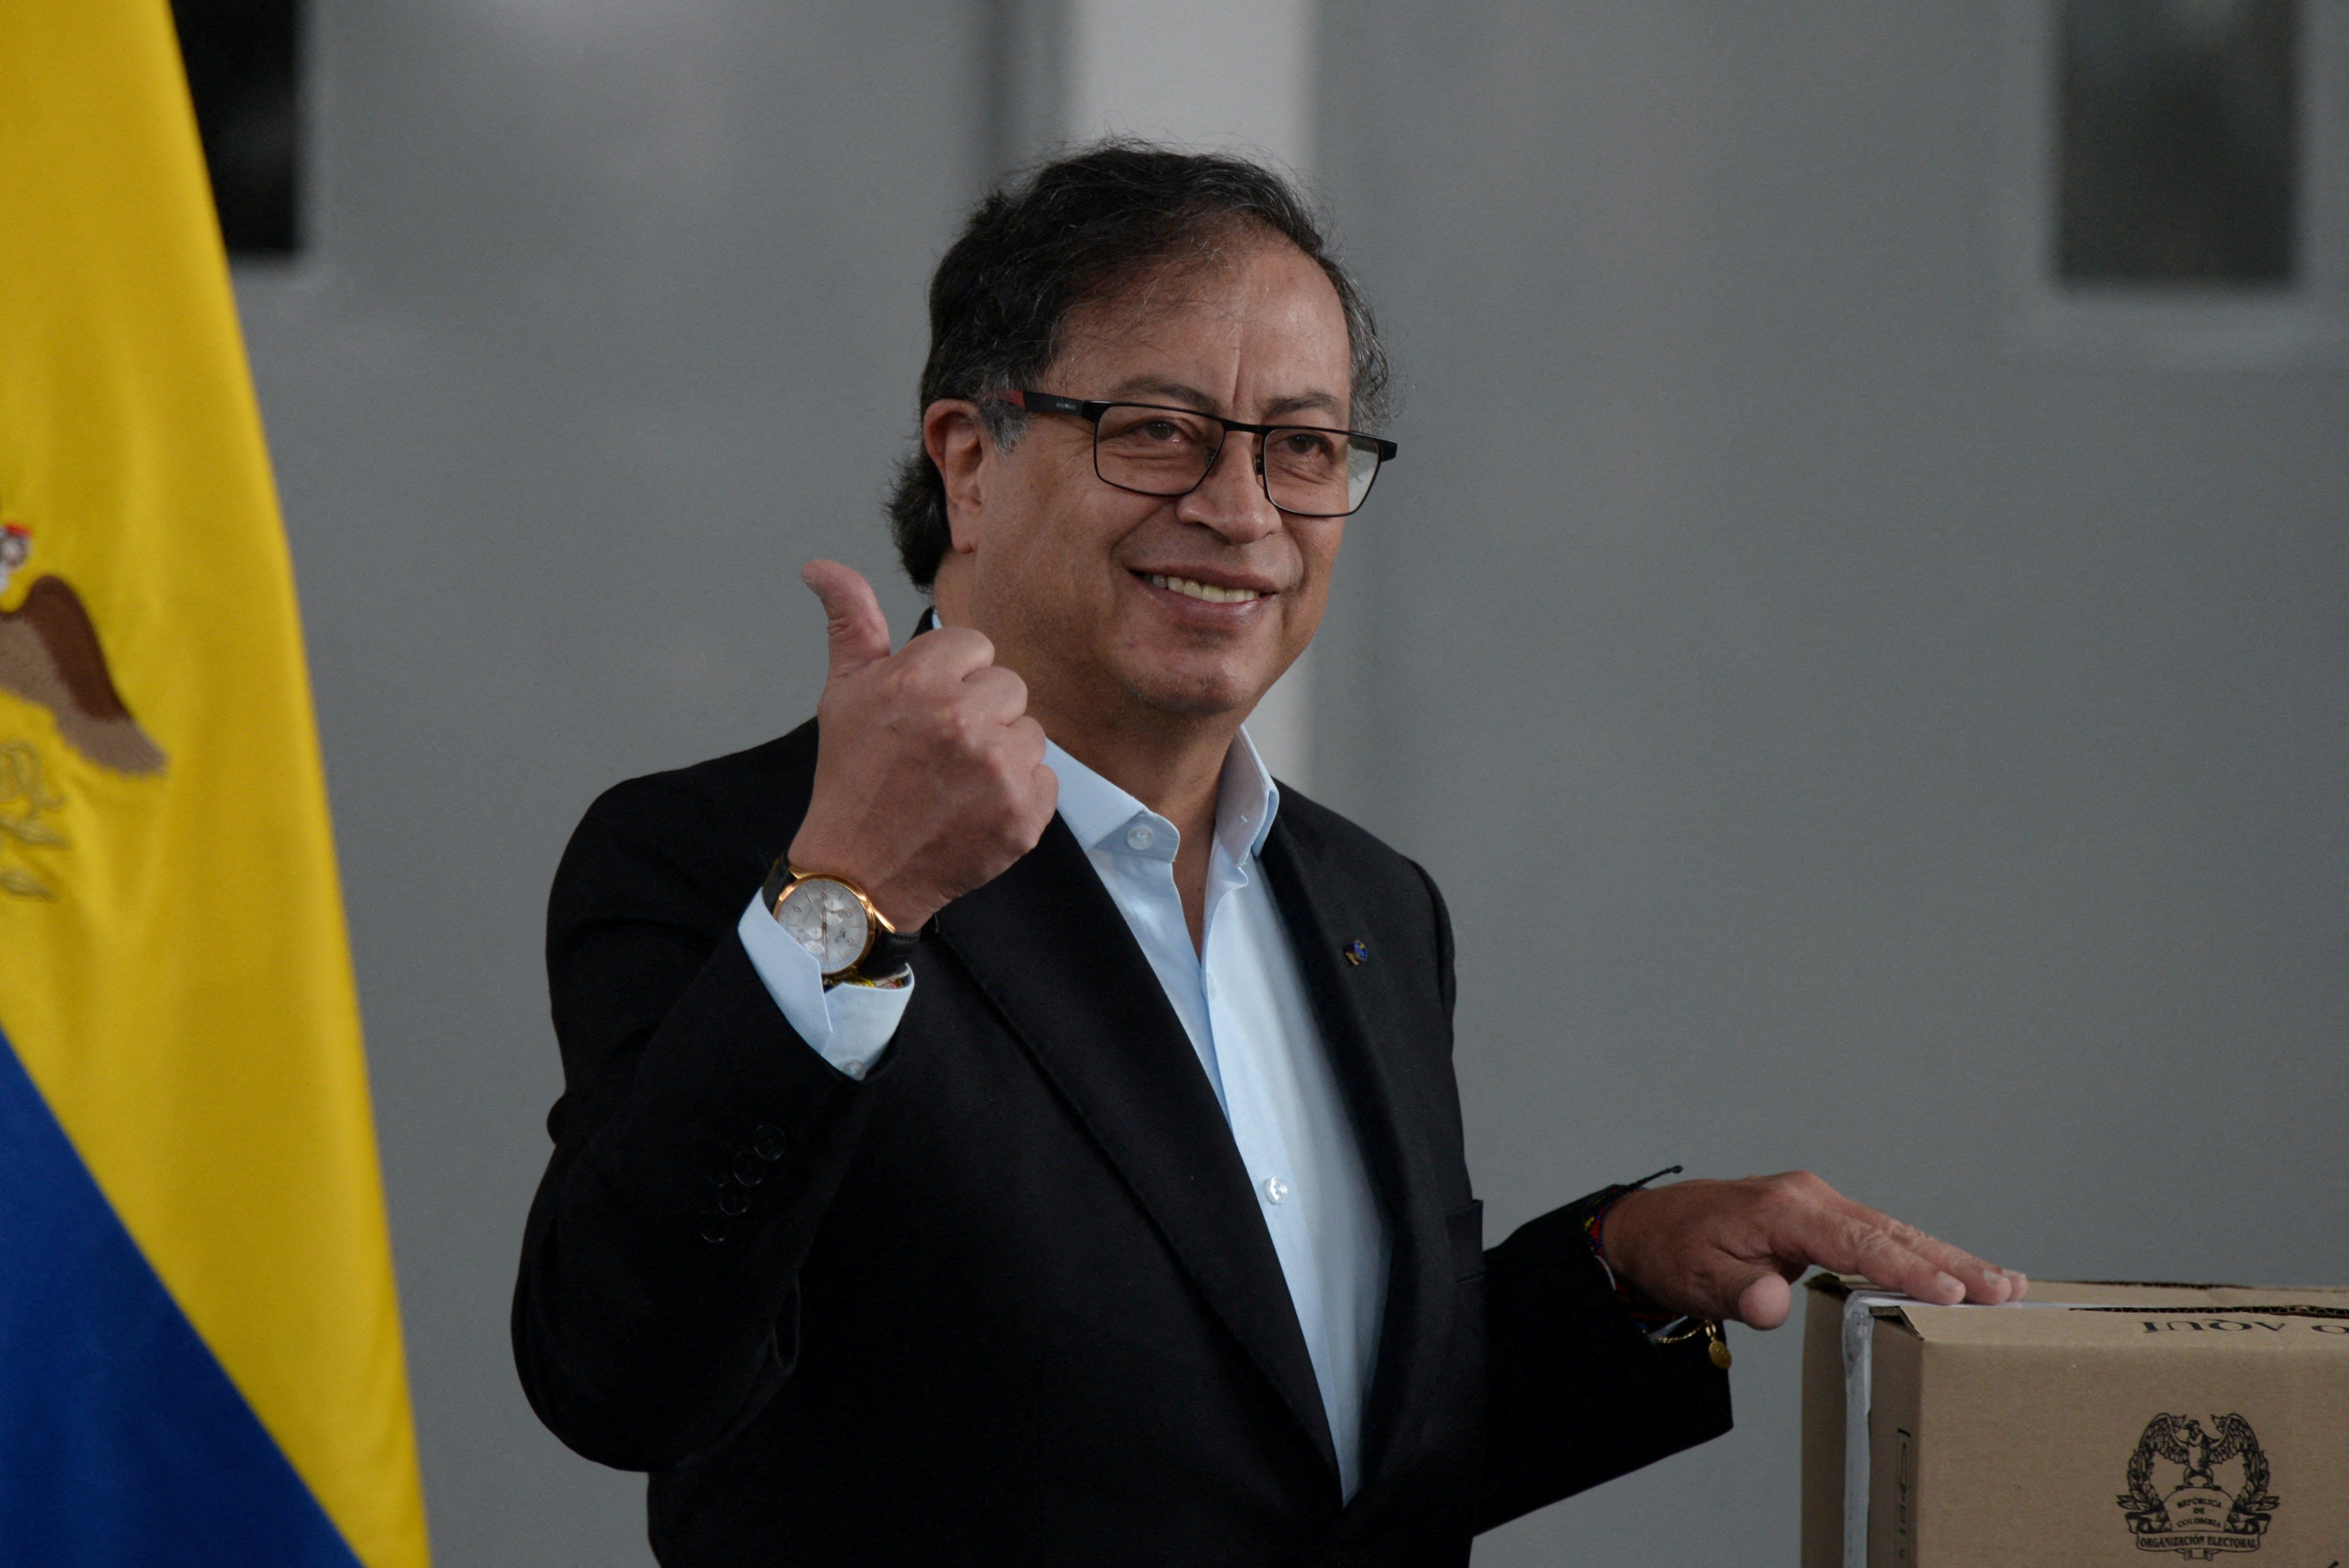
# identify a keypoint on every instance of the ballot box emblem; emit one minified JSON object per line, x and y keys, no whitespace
{"x":2198,"y":1490}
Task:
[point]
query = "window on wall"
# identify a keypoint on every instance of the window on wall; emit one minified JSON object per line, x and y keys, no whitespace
{"x":2177,"y":141}
{"x":242,"y":58}
{"x":2172,"y":181}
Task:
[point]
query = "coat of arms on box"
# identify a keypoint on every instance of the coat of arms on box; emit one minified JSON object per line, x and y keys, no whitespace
{"x":2198,"y":1517}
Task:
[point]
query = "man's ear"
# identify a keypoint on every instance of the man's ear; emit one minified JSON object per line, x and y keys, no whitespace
{"x":958,"y":445}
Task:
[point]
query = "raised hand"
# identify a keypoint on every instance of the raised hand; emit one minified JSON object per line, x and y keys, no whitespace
{"x":1733,"y":1248}
{"x":929,"y":775}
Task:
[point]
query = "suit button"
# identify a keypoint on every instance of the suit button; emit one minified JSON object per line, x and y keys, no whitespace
{"x":733,"y":1203}
{"x":713,"y":1232}
{"x":748,"y":1171}
{"x":768,"y":1144}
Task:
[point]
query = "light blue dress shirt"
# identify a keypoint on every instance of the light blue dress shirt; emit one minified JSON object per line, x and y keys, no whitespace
{"x":1243,"y":1004}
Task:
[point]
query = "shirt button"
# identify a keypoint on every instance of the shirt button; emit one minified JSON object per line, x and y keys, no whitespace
{"x":1274,"y":1190}
{"x":1139,"y":835}
{"x":854,"y":1069}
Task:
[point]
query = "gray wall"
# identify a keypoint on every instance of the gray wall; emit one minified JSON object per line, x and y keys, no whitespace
{"x":1843,"y":744}
{"x":612,"y":319}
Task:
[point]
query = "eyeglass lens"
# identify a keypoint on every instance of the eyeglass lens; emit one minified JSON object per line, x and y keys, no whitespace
{"x":1166,"y":452}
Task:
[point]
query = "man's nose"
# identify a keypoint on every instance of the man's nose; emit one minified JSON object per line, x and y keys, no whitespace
{"x":1231,"y":499}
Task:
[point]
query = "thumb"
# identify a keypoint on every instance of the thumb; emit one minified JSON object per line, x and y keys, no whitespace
{"x":851,"y":617}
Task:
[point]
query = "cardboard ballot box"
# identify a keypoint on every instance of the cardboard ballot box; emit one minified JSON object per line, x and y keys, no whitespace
{"x":2092,"y":1425}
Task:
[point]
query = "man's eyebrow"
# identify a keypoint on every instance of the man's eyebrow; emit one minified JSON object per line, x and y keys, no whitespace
{"x":1173,"y":391}
{"x":1296,"y":402}
{"x":1190,"y":397}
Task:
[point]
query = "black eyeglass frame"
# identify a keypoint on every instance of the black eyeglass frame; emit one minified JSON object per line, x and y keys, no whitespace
{"x":1092,"y":410}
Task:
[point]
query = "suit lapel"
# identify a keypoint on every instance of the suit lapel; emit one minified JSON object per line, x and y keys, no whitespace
{"x":1050,"y":949}
{"x":1358,"y":1022}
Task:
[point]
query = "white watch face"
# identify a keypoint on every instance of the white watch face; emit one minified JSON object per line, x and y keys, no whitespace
{"x":825,"y":918}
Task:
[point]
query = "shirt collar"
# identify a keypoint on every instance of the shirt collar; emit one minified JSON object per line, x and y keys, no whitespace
{"x":1100,"y":814}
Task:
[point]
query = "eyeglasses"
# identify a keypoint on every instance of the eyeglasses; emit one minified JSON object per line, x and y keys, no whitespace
{"x":1149,"y":449}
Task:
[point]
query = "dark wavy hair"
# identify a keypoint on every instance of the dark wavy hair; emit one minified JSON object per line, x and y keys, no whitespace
{"x":1079,"y":228}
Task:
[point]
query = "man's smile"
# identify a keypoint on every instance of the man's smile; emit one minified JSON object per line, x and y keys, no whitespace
{"x":1198,"y":588}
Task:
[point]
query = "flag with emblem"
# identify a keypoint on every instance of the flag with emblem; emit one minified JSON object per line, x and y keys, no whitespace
{"x":200,"y":1346}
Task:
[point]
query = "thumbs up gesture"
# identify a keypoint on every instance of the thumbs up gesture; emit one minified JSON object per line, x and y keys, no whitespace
{"x":929,"y":774}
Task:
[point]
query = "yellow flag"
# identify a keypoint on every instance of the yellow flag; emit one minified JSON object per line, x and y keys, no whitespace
{"x":200,"y":1346}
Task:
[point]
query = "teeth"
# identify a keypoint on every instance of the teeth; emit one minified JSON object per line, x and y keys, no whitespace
{"x":1191,"y":589}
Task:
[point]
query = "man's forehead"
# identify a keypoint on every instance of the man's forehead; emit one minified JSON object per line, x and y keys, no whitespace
{"x":1183,"y":338}
{"x":1268,"y":284}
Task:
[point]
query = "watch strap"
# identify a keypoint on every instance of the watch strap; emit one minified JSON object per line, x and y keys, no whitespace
{"x":890,"y":954}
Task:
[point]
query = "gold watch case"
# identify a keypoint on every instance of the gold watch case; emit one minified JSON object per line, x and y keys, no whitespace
{"x":831,"y":918}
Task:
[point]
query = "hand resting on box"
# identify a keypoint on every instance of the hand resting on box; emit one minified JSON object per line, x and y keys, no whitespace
{"x":1733,"y":1248}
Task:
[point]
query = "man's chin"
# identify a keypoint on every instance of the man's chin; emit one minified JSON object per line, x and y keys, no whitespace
{"x":1202,"y":694}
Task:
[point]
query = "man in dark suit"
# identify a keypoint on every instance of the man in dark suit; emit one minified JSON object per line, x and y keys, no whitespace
{"x":1001,"y":1125}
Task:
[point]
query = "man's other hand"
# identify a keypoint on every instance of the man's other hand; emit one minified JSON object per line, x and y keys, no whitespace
{"x":929,"y":774}
{"x":1733,"y":1248}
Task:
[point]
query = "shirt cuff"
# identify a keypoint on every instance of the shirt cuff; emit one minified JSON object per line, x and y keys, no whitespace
{"x":849,"y":1025}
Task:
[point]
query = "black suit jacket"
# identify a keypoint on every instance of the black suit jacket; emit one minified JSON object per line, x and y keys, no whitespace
{"x":1010,"y":1298}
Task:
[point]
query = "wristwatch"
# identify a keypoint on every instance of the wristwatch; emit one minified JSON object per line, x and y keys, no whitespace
{"x":830,"y":916}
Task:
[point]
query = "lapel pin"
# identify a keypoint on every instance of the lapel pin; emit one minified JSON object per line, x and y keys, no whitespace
{"x":1358,"y":952}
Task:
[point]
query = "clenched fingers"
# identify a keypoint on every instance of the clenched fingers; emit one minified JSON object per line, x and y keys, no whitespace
{"x":996,"y":694}
{"x":949,"y":653}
